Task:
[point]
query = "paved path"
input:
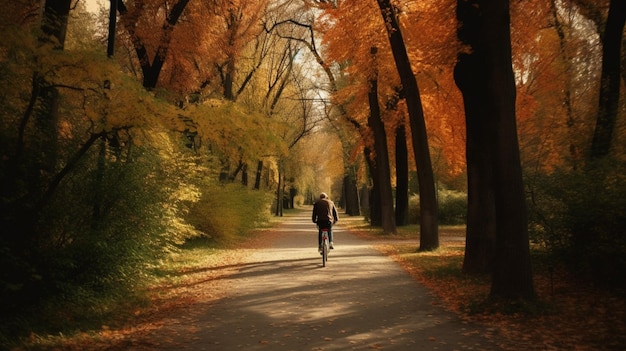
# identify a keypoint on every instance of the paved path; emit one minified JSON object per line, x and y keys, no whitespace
{"x":282,"y":299}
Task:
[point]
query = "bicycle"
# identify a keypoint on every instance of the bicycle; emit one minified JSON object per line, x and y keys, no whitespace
{"x":325,"y":246}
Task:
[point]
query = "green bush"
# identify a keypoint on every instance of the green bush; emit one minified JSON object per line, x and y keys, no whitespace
{"x":79,"y":262}
{"x":581,"y":216}
{"x":226,"y":211}
{"x":452,"y":207}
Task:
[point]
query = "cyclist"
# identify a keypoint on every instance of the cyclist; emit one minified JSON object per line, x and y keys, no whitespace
{"x":325,"y":215}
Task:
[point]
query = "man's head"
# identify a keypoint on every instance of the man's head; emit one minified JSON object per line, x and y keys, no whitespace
{"x":323,"y":196}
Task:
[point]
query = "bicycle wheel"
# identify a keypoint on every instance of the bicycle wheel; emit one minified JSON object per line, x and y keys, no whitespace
{"x":325,"y":249}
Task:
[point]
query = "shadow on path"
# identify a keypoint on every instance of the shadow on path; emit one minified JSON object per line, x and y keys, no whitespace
{"x":282,"y":298}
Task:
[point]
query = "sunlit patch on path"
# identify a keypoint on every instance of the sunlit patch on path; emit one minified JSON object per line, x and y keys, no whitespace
{"x":281,"y":298}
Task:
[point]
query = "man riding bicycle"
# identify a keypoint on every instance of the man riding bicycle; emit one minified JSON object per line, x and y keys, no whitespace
{"x":325,"y":215}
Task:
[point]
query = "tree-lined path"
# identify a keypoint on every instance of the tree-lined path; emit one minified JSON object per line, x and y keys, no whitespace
{"x":281,"y":298}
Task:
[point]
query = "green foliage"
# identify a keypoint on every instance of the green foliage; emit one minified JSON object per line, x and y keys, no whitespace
{"x":452,"y":207}
{"x":98,"y":185}
{"x":235,"y":133}
{"x":226,"y":211}
{"x":582,"y":215}
{"x":92,"y":191}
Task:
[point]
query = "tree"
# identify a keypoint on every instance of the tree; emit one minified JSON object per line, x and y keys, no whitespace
{"x":381,"y":157}
{"x":308,"y":39}
{"x":485,"y":26}
{"x":151,"y":67}
{"x":429,"y":235}
{"x":402,"y":177}
{"x":469,"y":73}
{"x":610,"y":80}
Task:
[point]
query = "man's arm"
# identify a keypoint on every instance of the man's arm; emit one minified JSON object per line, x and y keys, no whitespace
{"x":335,"y":216}
{"x":313,"y":217}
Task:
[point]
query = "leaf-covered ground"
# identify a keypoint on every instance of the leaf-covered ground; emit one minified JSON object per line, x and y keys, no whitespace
{"x":570,"y":313}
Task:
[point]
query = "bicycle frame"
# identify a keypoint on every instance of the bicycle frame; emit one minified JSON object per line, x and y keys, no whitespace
{"x":325,"y":246}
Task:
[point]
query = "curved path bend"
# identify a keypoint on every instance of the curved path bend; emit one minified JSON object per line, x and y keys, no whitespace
{"x":281,"y":298}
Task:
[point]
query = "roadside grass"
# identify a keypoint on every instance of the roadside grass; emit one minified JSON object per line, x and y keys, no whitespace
{"x":166,"y":286}
{"x":570,"y":313}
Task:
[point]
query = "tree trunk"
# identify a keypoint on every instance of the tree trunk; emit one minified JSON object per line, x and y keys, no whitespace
{"x":373,"y":200}
{"x":566,"y":59}
{"x":610,"y":80}
{"x":351,"y":194}
{"x":112,"y":26}
{"x":383,"y":172}
{"x":512,"y":274}
{"x":402,"y":177}
{"x":429,"y":234}
{"x":481,"y":212}
{"x":244,"y":175}
{"x":257,"y":179}
{"x":468,"y":75}
{"x":54,"y":22}
{"x":54,"y":29}
{"x":279,"y":195}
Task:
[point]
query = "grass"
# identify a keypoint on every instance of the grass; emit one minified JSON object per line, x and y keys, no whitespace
{"x":167,"y":286}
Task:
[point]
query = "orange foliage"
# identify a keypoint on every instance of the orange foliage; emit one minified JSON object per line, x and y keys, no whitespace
{"x":206,"y":36}
{"x":350,"y":30}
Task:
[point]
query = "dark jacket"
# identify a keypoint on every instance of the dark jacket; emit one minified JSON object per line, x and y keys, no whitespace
{"x":324,"y":210}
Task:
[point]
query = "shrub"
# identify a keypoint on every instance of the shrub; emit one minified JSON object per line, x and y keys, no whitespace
{"x":226,"y":211}
{"x":581,"y":215}
{"x":81,"y":257}
{"x":452,"y":207}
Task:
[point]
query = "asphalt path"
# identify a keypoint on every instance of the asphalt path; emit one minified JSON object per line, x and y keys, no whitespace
{"x":281,"y":298}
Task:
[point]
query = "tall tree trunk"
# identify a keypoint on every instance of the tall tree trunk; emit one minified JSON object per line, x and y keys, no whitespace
{"x":381,"y":158}
{"x":54,"y":22}
{"x":351,"y":193}
{"x":228,"y":79}
{"x":481,"y":212}
{"x":112,"y":26}
{"x":469,"y":76}
{"x":54,"y":29}
{"x":257,"y":178}
{"x":98,"y":189}
{"x":566,"y":60}
{"x":373,"y":200}
{"x":610,"y":80}
{"x":512,"y":274}
{"x":244,"y":175}
{"x":279,"y":194}
{"x":402,"y":177}
{"x":429,"y":231}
